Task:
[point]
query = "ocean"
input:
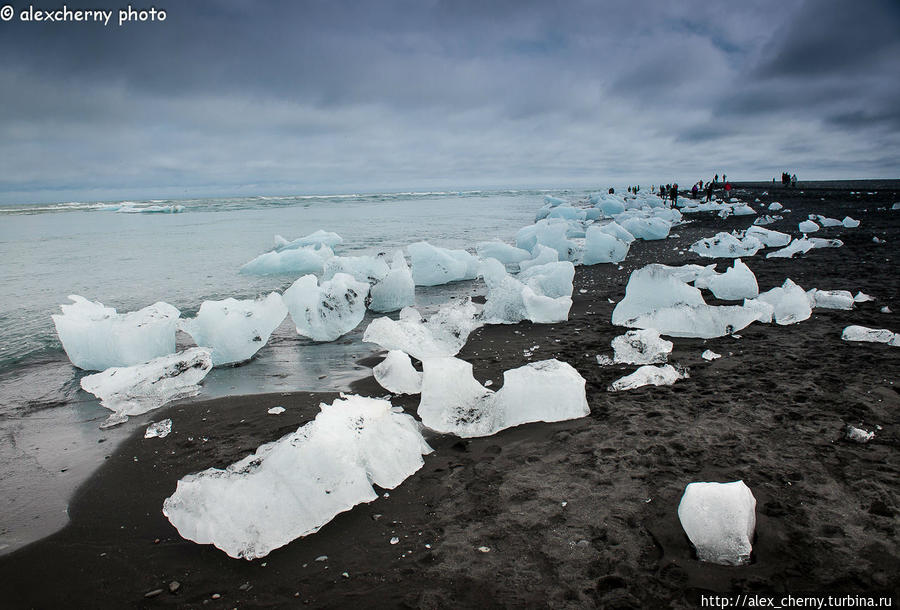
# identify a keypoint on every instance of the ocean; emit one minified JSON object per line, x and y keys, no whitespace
{"x":130,"y":254}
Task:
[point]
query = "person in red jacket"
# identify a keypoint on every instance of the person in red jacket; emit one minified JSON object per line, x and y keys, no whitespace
{"x":727,"y":191}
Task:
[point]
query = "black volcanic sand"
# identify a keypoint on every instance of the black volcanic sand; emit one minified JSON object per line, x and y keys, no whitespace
{"x":575,"y":514}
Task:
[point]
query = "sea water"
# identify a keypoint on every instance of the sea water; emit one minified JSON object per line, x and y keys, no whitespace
{"x":130,"y":254}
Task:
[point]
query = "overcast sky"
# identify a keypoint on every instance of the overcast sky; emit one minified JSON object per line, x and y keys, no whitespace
{"x":236,"y":97}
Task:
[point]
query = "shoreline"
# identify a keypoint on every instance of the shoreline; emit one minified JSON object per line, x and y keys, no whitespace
{"x":771,"y":412}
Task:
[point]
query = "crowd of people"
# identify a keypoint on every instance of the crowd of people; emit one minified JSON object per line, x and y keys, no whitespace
{"x":669,"y":192}
{"x":787,"y":179}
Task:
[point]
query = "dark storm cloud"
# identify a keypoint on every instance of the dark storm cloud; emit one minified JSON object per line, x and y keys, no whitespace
{"x":232,"y":96}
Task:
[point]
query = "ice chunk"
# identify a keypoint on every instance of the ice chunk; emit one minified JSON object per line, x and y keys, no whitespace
{"x":641,"y":347}
{"x":292,"y":487}
{"x":790,"y":302}
{"x":396,"y":290}
{"x":542,"y":256}
{"x":862,"y":297}
{"x":830,"y":299}
{"x":645,"y":228}
{"x":858,"y":435}
{"x":765,"y":220}
{"x":506,"y":254}
{"x":160,"y":429}
{"x":276,"y":411}
{"x":775,"y":206}
{"x":769,"y":238}
{"x":825,"y":221}
{"x":611,"y":207}
{"x":553,"y":233}
{"x":442,"y":335}
{"x":554,"y":201}
{"x":710,"y":355}
{"x":601,"y":247}
{"x":134,"y":390}
{"x":542,"y":293}
{"x":369,"y":269}
{"x":324,"y":312}
{"x":567,"y":212}
{"x":617,"y":231}
{"x":648,"y":375}
{"x":743,"y":210}
{"x":453,"y":402}
{"x":317,"y":239}
{"x":726,"y":245}
{"x":235,"y":330}
{"x":433,"y":266}
{"x":307,"y":259}
{"x":396,"y":374}
{"x":808,"y":226}
{"x":818,"y":242}
{"x":95,"y":337}
{"x":870,"y":335}
{"x":719,"y":519}
{"x":798,"y":246}
{"x":551,"y":279}
{"x":655,"y":298}
{"x":850,"y":223}
{"x":737,"y":283}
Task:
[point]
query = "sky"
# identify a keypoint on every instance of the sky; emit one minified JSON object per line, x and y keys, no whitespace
{"x":240,"y":98}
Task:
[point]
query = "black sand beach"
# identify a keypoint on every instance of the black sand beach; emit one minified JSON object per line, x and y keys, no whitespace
{"x":575,"y":514}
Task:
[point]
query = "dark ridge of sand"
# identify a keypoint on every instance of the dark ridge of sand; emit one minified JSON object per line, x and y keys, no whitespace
{"x":576,"y":514}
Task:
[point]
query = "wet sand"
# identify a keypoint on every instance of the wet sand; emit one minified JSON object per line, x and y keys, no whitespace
{"x":575,"y":514}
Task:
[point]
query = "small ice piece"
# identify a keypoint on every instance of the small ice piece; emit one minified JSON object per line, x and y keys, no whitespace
{"x":743,"y":210}
{"x":825,"y":221}
{"x":324,"y":312}
{"x":444,"y":334}
{"x":648,"y":375}
{"x":506,"y":254}
{"x":737,"y":283}
{"x":134,"y":390}
{"x":235,"y":330}
{"x":808,"y":226}
{"x":886,"y":309}
{"x":819,"y":242}
{"x":768,"y":237}
{"x":765,"y":220}
{"x":726,"y":245}
{"x":710,"y":355}
{"x":554,"y":201}
{"x":453,"y":402}
{"x":871,"y":335}
{"x":830,"y":299}
{"x":292,"y":487}
{"x":719,"y":519}
{"x":394,"y":540}
{"x":160,"y":429}
{"x":775,"y":206}
{"x":790,"y":302}
{"x":896,"y":206}
{"x":276,"y":411}
{"x":317,"y":239}
{"x":850,"y":223}
{"x":396,"y":290}
{"x":542,"y":256}
{"x":96,"y":338}
{"x":369,"y":269}
{"x":798,"y":246}
{"x":601,"y":247}
{"x":641,"y":347}
{"x":433,"y":266}
{"x":862,"y":297}
{"x":396,"y":374}
{"x":308,"y":259}
{"x":858,"y":435}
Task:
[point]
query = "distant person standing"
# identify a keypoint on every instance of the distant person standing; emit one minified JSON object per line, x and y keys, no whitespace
{"x":794,"y":181}
{"x":709,"y":187}
{"x":727,"y":189}
{"x":724,"y":177}
{"x":694,"y":190}
{"x":716,"y":179}
{"x":612,"y":191}
{"x":673,"y":195}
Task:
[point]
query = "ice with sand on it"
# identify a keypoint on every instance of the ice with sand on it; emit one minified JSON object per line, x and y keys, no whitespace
{"x":160,"y":429}
{"x":433,"y":266}
{"x":710,"y":355}
{"x":798,"y":246}
{"x":453,"y":402}
{"x":870,"y":335}
{"x":719,"y":519}
{"x":396,"y":290}
{"x":235,"y":330}
{"x":324,"y":312}
{"x":292,"y":487}
{"x":96,"y":337}
{"x":444,"y":334}
{"x":641,"y":347}
{"x":648,"y":375}
{"x":768,"y":237}
{"x":727,"y":245}
{"x":397,"y":375}
{"x":134,"y":390}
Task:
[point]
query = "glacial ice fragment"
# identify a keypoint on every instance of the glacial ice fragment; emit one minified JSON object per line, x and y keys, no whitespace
{"x":768,"y":237}
{"x":307,"y":259}
{"x":830,"y":299}
{"x":292,"y":487}
{"x":235,"y":330}
{"x":433,"y":266}
{"x":95,"y":337}
{"x":726,"y":245}
{"x":506,"y":254}
{"x":324,"y":312}
{"x":790,"y":302}
{"x":134,"y":390}
{"x":808,"y":226}
{"x":798,"y":246}
{"x":602,"y":247}
{"x":737,"y":283}
{"x":641,"y":347}
{"x":444,"y":334}
{"x":369,"y":269}
{"x":317,"y":239}
{"x":648,"y":375}
{"x":396,"y":290}
{"x":396,"y":374}
{"x":871,"y":335}
{"x":719,"y":519}
{"x":160,"y":429}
